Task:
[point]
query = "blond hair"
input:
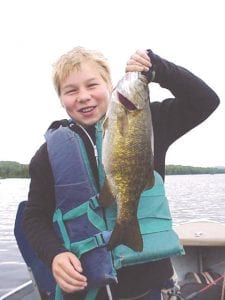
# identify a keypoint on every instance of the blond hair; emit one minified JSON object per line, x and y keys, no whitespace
{"x":72,"y":61}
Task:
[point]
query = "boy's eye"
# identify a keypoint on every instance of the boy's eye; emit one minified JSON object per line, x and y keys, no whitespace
{"x":92,"y":84}
{"x":70,"y":91}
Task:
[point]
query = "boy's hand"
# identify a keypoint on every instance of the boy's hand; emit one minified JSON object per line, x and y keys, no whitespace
{"x":139,"y":62}
{"x":67,"y":269}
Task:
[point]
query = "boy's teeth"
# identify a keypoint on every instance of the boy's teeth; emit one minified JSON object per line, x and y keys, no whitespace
{"x":87,"y":109}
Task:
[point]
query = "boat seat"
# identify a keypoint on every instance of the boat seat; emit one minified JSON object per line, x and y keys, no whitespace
{"x":40,"y":272}
{"x":201,"y":233}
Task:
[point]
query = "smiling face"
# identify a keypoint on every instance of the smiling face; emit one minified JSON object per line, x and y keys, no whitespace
{"x":85,"y":94}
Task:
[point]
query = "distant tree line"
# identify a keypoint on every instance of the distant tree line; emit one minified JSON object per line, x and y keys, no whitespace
{"x":12,"y":169}
{"x":182,"y":170}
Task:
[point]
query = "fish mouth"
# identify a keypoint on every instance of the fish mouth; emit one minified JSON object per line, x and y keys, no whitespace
{"x":126,"y":102}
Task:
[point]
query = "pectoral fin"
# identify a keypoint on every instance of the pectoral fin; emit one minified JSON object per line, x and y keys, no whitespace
{"x":106,"y":197}
{"x":150,"y":180}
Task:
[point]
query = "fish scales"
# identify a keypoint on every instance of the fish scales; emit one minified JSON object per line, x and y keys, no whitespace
{"x":127,"y":156}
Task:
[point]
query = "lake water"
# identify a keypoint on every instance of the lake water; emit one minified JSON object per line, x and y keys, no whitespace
{"x":190,"y":197}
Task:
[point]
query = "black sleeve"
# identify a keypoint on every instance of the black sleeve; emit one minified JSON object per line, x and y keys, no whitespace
{"x":38,"y":215}
{"x":194,"y":100}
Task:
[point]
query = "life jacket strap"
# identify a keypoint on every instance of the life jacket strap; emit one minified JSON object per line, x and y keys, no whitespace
{"x":81,"y":209}
{"x":58,"y":217}
{"x":88,"y":208}
{"x":98,"y":240}
{"x":91,"y":294}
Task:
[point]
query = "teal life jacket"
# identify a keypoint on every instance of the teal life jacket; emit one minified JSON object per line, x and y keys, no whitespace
{"x":85,"y":228}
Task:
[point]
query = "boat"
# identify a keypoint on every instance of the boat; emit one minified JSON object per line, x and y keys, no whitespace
{"x":204,"y":245}
{"x":26,"y":291}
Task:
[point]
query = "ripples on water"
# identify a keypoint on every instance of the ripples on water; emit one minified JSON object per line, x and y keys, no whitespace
{"x":190,"y":197}
{"x":196,"y":197}
{"x":13,"y":270}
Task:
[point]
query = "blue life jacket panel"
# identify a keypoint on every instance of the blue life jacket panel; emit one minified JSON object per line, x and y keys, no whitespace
{"x":75,"y":206}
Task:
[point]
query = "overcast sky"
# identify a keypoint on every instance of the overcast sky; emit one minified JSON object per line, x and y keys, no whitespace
{"x":34,"y":34}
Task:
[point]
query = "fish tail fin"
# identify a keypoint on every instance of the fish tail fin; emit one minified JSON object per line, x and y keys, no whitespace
{"x":126,"y":234}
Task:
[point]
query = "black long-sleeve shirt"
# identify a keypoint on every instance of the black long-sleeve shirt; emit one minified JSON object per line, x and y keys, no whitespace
{"x":193,"y":101}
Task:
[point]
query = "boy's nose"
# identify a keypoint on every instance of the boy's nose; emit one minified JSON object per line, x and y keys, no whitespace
{"x":83,"y":96}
